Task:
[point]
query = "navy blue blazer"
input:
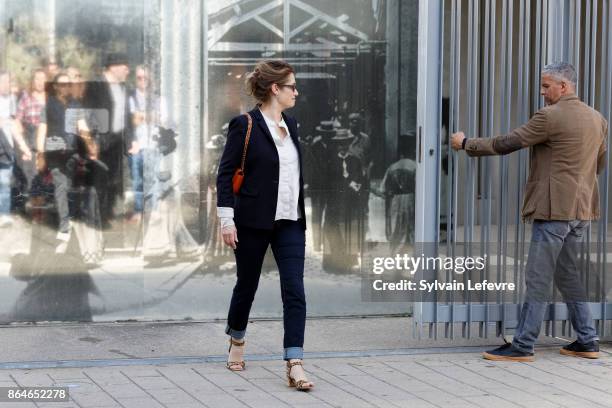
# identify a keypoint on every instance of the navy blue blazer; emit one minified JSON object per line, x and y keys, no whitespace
{"x":255,"y":205}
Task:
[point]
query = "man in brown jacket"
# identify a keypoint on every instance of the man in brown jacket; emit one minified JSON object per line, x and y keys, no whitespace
{"x":568,"y":142}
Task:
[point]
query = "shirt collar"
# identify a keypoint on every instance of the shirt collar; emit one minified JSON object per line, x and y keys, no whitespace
{"x":568,"y":97}
{"x":272,"y":124}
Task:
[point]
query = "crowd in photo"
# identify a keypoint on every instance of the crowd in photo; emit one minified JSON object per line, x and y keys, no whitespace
{"x":66,"y":140}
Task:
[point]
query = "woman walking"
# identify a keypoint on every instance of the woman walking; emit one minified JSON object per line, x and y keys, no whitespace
{"x":266,"y":209}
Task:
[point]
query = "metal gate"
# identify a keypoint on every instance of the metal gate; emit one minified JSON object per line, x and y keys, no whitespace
{"x":479,"y":72}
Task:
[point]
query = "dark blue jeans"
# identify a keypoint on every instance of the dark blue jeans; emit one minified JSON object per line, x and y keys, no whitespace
{"x":553,"y":255}
{"x":288,"y":242}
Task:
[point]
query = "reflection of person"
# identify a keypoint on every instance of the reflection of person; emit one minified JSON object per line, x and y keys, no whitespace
{"x":214,"y":246}
{"x":148,"y":112}
{"x":166,"y":234}
{"x":568,"y":150}
{"x":267,"y":211}
{"x":10,"y":134}
{"x":78,"y":85}
{"x":398,"y":188}
{"x":319,"y":185}
{"x":87,"y":221}
{"x":115,"y":137}
{"x":51,"y":66}
{"x":57,"y":144}
{"x":344,"y":211}
{"x":29,"y":110}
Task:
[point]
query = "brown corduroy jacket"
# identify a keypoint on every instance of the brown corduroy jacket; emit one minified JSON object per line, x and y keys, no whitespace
{"x":568,"y":143}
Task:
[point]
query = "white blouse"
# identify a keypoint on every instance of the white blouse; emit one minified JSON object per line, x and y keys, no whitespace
{"x":288,"y":178}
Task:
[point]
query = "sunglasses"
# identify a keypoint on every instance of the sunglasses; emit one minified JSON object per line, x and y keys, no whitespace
{"x":292,"y":86}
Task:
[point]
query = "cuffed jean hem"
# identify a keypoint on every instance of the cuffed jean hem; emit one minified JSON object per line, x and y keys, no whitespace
{"x":293,"y":352}
{"x":523,"y":349}
{"x":237,"y":334}
{"x":587,"y":340}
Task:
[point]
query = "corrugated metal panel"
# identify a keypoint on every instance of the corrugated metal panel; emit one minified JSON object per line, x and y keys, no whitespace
{"x":495,"y":52}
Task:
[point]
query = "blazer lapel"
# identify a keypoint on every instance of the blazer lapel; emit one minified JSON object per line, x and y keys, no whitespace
{"x":293,"y":132}
{"x":261,"y":122}
{"x":259,"y":119}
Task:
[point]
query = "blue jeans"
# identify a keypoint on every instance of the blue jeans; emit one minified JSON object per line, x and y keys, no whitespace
{"x":144,"y":167}
{"x":5,"y":189}
{"x":553,"y":254}
{"x":288,"y":242}
{"x":136,"y":162}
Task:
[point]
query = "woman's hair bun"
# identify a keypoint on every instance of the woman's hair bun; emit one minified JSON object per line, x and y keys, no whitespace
{"x":264,"y":75}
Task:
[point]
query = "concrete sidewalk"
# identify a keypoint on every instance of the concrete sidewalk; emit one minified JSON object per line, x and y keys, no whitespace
{"x":375,"y":362}
{"x":431,"y":380}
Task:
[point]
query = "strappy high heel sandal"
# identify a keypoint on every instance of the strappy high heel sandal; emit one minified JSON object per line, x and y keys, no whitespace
{"x":300,"y":385}
{"x":235,"y":365}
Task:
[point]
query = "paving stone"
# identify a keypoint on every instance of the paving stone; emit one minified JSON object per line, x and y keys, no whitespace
{"x":140,"y":403}
{"x":94,"y":399}
{"x":125,"y":391}
{"x":222,"y":400}
{"x":453,"y":380}
{"x":153,"y":383}
{"x":67,"y":374}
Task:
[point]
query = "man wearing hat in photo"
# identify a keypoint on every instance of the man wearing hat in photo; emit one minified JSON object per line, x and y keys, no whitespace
{"x":361,"y":146}
{"x":343,"y":214}
{"x":318,"y":180}
{"x":107,"y":100}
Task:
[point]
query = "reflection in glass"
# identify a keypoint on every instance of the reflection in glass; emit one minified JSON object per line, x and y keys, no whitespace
{"x":121,"y":221}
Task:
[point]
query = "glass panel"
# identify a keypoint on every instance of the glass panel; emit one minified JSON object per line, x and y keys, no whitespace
{"x":114,"y":215}
{"x":358,"y":146}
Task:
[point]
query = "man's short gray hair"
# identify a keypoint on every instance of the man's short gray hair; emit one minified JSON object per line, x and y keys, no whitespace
{"x":562,"y":71}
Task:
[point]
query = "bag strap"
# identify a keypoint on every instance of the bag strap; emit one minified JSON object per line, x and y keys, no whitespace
{"x":246,"y":141}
